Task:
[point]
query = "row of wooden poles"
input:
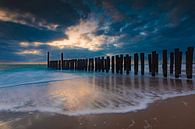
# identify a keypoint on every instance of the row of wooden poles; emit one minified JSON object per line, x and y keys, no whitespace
{"x":122,"y":63}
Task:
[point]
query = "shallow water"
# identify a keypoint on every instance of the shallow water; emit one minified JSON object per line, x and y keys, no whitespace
{"x":34,"y":88}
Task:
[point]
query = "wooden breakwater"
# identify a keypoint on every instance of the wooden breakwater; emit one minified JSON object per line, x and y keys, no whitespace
{"x":122,"y":63}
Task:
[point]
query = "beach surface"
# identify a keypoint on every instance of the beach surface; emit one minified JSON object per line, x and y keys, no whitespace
{"x":174,"y":113}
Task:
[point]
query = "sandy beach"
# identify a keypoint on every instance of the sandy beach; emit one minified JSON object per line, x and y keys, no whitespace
{"x":101,"y":102}
{"x":174,"y":113}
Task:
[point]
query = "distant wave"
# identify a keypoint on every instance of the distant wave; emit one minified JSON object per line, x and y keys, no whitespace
{"x":36,"y":82}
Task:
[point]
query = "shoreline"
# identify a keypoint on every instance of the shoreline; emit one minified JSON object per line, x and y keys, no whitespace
{"x":170,"y":113}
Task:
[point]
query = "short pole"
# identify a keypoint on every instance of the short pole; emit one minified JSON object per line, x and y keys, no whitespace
{"x":142,"y":63}
{"x":135,"y":63}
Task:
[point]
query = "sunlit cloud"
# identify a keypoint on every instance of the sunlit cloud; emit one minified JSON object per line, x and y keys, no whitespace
{"x":24,"y":44}
{"x":25,"y":19}
{"x":83,"y":35}
{"x":29,"y":52}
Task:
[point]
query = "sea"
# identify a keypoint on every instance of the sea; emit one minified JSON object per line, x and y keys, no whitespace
{"x":33,"y":87}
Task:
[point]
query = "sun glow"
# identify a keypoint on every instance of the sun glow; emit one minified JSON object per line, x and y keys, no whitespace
{"x":83,"y":35}
{"x":75,"y":96}
{"x":31,"y":52}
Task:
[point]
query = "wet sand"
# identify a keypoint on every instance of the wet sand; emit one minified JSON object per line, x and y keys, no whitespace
{"x":174,"y":113}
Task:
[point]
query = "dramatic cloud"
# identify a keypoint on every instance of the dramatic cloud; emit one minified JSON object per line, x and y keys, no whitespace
{"x":25,"y":19}
{"x":86,"y":28}
{"x":82,"y":35}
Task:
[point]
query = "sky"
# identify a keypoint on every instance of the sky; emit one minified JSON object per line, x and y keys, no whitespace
{"x":88,"y":28}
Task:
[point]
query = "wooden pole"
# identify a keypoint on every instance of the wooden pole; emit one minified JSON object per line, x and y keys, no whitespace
{"x":180,"y":61}
{"x":135,"y":63}
{"x":171,"y":62}
{"x":62,"y":61}
{"x":142,"y":63}
{"x":99,"y":64}
{"x":117,"y":64}
{"x":121,"y":64}
{"x":92,"y":63}
{"x":107,"y":64}
{"x":189,"y":62}
{"x":156,"y":63}
{"x":149,"y":62}
{"x":102,"y":64}
{"x":127,"y":63}
{"x":164,"y":65}
{"x":48,"y":62}
{"x":113,"y":63}
{"x":177,"y":63}
{"x":153,"y":66}
{"x":86,"y":64}
{"x":95,"y":64}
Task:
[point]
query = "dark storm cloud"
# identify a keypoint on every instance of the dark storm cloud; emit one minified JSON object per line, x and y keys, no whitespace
{"x":140,"y":25}
{"x":60,"y":12}
{"x":14,"y":31}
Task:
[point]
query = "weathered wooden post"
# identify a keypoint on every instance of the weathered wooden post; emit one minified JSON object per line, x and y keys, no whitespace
{"x":89,"y":64}
{"x":102,"y":64}
{"x":127,"y":63}
{"x":107,"y":64}
{"x":113,"y":63}
{"x":117,"y":64}
{"x":171,"y":62}
{"x":164,"y":65}
{"x":121,"y":64}
{"x":156,"y":63}
{"x":136,"y":63}
{"x":149,"y":62}
{"x":142,"y":63}
{"x":79,"y":64}
{"x":189,"y":62}
{"x":153,"y":66}
{"x":48,"y":62}
{"x":177,"y":60}
{"x":74,"y":67}
{"x":99,"y":64}
{"x":62,"y":61}
{"x":92,"y":63}
{"x":95,"y":64}
{"x":180,"y":61}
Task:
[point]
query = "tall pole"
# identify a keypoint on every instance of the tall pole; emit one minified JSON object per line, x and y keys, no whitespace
{"x":62,"y":61}
{"x":48,"y":65}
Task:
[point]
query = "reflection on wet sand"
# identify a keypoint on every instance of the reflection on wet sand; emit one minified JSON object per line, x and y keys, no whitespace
{"x":5,"y":125}
{"x":113,"y":83}
{"x":114,"y":92}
